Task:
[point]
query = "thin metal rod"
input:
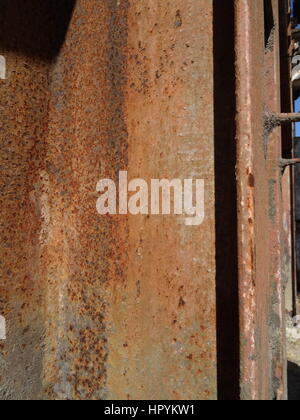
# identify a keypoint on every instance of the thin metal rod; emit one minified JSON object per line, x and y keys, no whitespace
{"x":273,"y":120}
{"x":285,"y":118}
{"x":287,"y":162}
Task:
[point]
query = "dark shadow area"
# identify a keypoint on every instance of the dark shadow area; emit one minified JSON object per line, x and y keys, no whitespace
{"x":285,"y":79}
{"x":296,"y":8}
{"x":228,"y":353}
{"x":34,"y":27}
{"x":293,"y":382}
{"x":269,"y":21}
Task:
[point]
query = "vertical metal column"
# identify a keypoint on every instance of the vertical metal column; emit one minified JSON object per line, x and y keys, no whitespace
{"x":259,"y":202}
{"x":118,"y":307}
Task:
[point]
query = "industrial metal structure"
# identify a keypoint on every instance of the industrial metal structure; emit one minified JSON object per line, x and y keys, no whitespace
{"x":142,"y":306}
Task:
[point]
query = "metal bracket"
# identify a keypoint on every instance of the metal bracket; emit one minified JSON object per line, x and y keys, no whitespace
{"x":276,"y":120}
{"x":273,"y":120}
{"x":283,"y":163}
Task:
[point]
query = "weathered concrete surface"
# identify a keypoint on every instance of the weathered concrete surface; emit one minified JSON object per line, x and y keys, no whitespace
{"x":106,"y":307}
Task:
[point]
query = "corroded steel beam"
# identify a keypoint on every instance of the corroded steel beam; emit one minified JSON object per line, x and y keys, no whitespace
{"x":101,"y":307}
{"x":125,"y":306}
{"x":259,"y":204}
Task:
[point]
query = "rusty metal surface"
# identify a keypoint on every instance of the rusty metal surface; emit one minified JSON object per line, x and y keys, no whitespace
{"x":171,"y":278}
{"x":259,"y":203}
{"x":24,"y":109}
{"x":131,"y":307}
{"x":287,"y":263}
{"x":288,"y":152}
{"x":105,"y":307}
{"x":250,"y":108}
{"x":276,"y":231}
